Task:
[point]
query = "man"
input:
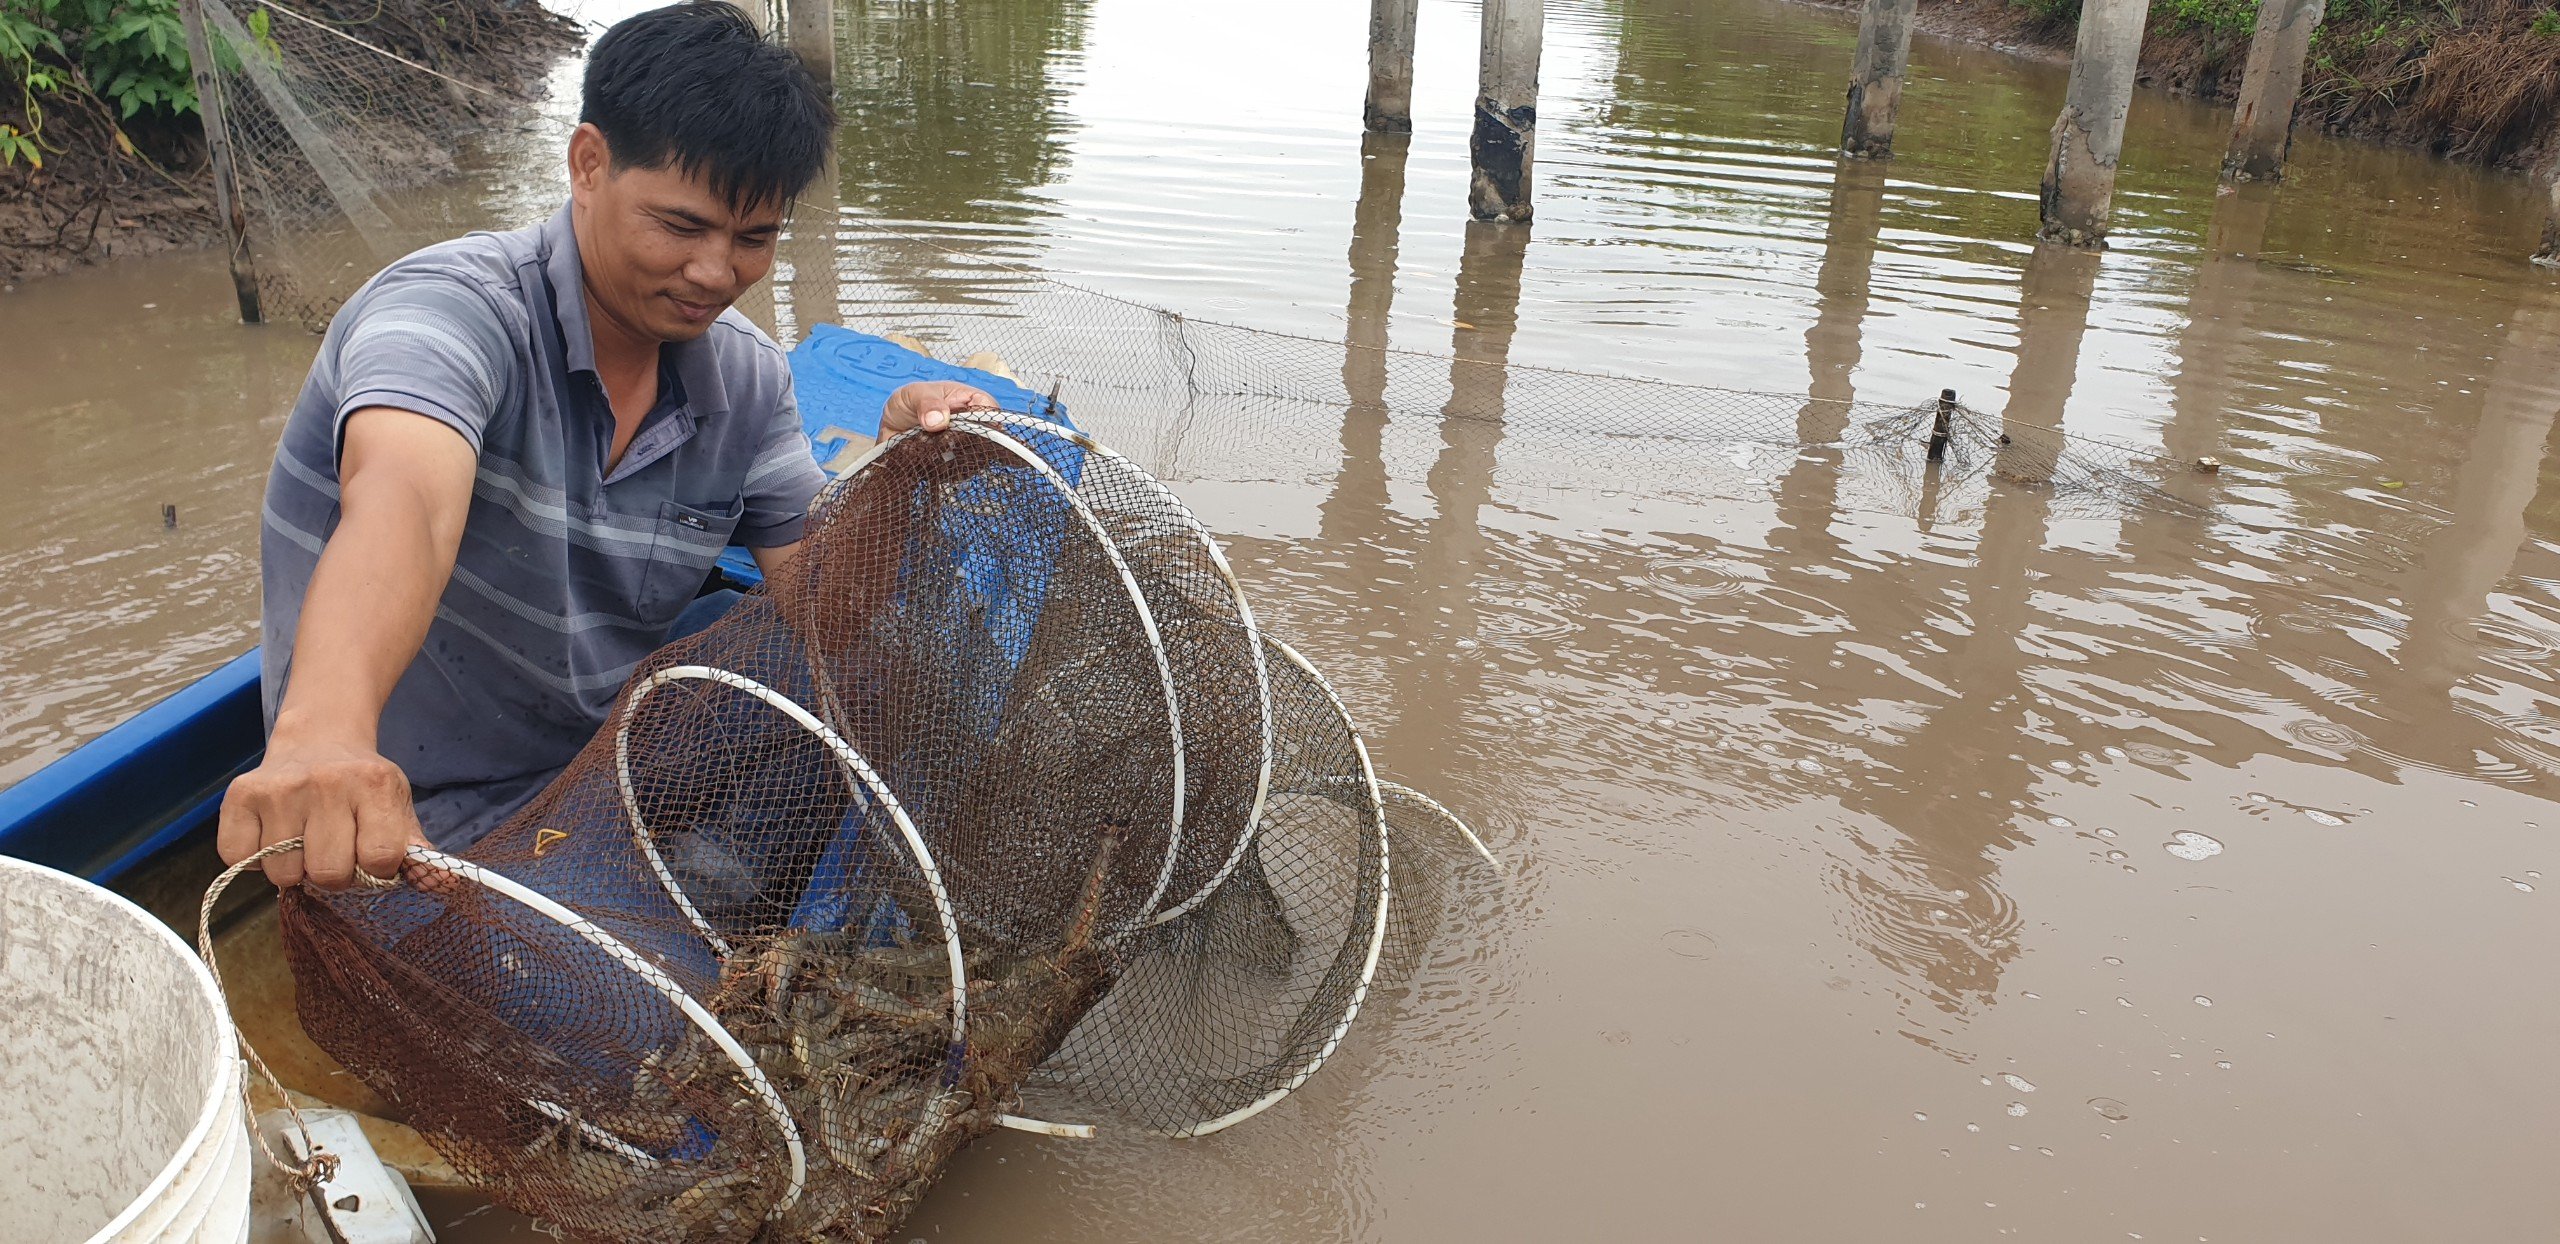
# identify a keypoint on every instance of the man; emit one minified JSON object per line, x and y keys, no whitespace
{"x":518,"y":454}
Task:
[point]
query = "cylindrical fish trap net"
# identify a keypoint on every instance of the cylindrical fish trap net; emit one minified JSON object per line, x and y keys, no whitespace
{"x":1212,"y":656}
{"x":996,"y":793}
{"x":1221,"y":1011}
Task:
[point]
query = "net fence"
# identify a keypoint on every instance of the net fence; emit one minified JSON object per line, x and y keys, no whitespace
{"x":345,"y":119}
{"x":1186,"y":393}
{"x":349,"y":129}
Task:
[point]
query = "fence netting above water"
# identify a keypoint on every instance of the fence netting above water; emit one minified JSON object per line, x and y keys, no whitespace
{"x":1185,"y":393}
{"x":337,"y":137}
{"x":339,"y":114}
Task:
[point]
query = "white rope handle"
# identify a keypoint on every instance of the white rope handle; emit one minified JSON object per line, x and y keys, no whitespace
{"x":321,"y":1166}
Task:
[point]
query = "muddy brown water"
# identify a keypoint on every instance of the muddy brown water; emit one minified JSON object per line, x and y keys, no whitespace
{"x":2050,"y":873}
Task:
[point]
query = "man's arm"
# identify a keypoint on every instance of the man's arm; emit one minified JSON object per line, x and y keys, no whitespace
{"x":404,"y":490}
{"x":772,"y":560}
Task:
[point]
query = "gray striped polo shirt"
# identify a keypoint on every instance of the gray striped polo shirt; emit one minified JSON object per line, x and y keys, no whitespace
{"x":568,"y":575}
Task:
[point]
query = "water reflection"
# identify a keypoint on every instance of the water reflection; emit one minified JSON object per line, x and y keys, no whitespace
{"x":804,"y":293}
{"x":953,"y":109}
{"x":1840,"y":288}
{"x":2213,"y":350}
{"x":954,"y":120}
{"x":1357,"y":502}
{"x":2450,"y":619}
{"x":1810,"y":488}
{"x":1452,"y":559}
{"x":1932,"y":906}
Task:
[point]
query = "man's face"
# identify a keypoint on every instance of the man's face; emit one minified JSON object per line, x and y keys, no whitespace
{"x":664,"y":256}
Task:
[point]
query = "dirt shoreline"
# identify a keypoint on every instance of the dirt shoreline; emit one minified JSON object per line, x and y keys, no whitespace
{"x":2479,"y":89}
{"x":97,"y":210}
{"x":111,"y":189}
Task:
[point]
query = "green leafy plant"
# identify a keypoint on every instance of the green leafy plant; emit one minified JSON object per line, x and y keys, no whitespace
{"x":126,"y":58}
{"x":2547,"y":22}
{"x":2052,"y":12}
{"x":2217,"y":18}
{"x":21,"y":39}
{"x":134,"y":53}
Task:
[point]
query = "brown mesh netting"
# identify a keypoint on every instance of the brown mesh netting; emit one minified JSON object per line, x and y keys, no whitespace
{"x":996,"y":791}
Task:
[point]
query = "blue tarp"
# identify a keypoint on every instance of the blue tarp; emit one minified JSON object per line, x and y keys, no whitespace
{"x":844,"y":377}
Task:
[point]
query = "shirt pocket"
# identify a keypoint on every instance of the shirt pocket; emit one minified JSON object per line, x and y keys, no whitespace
{"x":688,"y":539}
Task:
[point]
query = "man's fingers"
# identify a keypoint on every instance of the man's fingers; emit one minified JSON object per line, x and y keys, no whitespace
{"x":274,"y":827}
{"x":386,"y":823}
{"x":928,"y":404}
{"x":329,"y":847}
{"x":237,"y":837}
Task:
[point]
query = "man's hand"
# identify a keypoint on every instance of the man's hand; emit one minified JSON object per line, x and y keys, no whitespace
{"x":928,"y":404}
{"x":349,"y":806}
{"x":404,"y":491}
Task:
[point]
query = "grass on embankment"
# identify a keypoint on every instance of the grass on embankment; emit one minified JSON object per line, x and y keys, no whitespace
{"x":2472,"y":80}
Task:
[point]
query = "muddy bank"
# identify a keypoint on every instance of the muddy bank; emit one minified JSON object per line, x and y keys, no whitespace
{"x":113,"y":182}
{"x":2477,"y":81}
{"x":93,"y":202}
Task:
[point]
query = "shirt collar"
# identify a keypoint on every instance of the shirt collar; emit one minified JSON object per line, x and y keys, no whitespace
{"x":568,"y":290}
{"x":696,"y":362}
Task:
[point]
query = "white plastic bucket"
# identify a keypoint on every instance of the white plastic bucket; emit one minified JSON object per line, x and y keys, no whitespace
{"x":120,"y":1113}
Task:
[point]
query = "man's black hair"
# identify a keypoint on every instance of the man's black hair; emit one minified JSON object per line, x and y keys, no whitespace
{"x":696,"y":87}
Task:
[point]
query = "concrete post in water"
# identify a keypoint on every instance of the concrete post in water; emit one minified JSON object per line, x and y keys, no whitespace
{"x":811,"y":29}
{"x":2080,"y":175}
{"x":2262,"y":130}
{"x":1389,"y":109}
{"x":1506,"y":129}
{"x":1875,"y":84}
{"x":217,"y":145}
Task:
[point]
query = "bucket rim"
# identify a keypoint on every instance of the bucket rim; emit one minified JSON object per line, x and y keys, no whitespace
{"x":225,"y":1086}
